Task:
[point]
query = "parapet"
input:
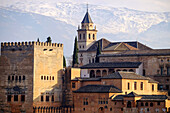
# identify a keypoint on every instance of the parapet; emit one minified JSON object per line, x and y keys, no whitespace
{"x":12,"y":44}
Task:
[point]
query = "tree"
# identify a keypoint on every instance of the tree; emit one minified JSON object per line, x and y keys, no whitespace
{"x":75,"y":53}
{"x":64,"y":61}
{"x":98,"y":52}
{"x":49,"y":40}
{"x":38,"y":40}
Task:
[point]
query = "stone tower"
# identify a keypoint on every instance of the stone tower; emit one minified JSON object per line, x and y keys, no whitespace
{"x":87,"y":33}
{"x":30,"y":76}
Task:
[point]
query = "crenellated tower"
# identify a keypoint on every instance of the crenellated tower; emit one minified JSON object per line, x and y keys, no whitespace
{"x":87,"y":33}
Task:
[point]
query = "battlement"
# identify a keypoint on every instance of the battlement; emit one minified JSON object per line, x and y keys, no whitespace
{"x":13,"y":44}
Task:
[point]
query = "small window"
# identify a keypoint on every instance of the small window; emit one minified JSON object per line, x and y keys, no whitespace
{"x":9,"y":98}
{"x":44,"y":77}
{"x":80,"y":36}
{"x":151,"y":104}
{"x":47,"y":77}
{"x":158,"y":103}
{"x":73,"y":85}
{"x":42,"y":98}
{"x":110,"y":109}
{"x":22,"y":98}
{"x":146,"y":104}
{"x":142,"y":104}
{"x":44,"y":49}
{"x":20,"y":78}
{"x":152,"y":87}
{"x":147,"y":109}
{"x":80,"y":46}
{"x":23,"y":77}
{"x":128,"y":86}
{"x":50,"y":77}
{"x":115,"y":103}
{"x":89,"y":36}
{"x":52,"y":98}
{"x":93,"y":36}
{"x":167,"y":87}
{"x":83,"y":46}
{"x":51,"y":50}
{"x":9,"y":78}
{"x":15,"y":97}
{"x":121,"y":109}
{"x":141,"y":86}
{"x":47,"y":98}
{"x":53,"y":77}
{"x":41,"y":77}
{"x":16,"y":78}
{"x":84,"y":36}
{"x":12,"y":78}
{"x":84,"y":109}
{"x":135,"y":85}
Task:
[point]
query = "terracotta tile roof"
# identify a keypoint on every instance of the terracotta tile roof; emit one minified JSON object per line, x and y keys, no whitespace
{"x":98,"y":89}
{"x":112,"y":65}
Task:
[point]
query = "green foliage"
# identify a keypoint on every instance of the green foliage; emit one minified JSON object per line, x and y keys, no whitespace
{"x":64,"y":61}
{"x":75,"y":53}
{"x":38,"y":40}
{"x":98,"y":52}
{"x":49,"y":39}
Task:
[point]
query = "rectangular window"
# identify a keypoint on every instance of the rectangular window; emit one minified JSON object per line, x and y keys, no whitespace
{"x":9,"y":98}
{"x":15,"y":97}
{"x":167,"y":70}
{"x":52,"y":98}
{"x":42,"y":98}
{"x":22,"y":98}
{"x":161,"y":70}
{"x":135,"y":85}
{"x":19,"y":78}
{"x":141,"y":86}
{"x":9,"y":78}
{"x":53,"y":77}
{"x":47,"y":98}
{"x":85,"y":101}
{"x":73,"y":85}
{"x":23,"y":77}
{"x":41,"y":77}
{"x":128,"y":86}
{"x":44,"y":77}
{"x":12,"y":78}
{"x":152,"y":87}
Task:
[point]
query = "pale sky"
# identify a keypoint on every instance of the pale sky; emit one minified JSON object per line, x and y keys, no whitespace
{"x":143,"y":5}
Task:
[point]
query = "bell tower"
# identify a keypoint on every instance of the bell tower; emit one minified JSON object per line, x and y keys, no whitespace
{"x":86,"y":33}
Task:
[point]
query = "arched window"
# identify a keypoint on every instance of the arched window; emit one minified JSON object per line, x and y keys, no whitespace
{"x":104,"y":73}
{"x":80,"y":36}
{"x":47,"y":77}
{"x":9,"y":78}
{"x":111,"y":71}
{"x":89,"y":61}
{"x":128,"y":104}
{"x":92,"y":74}
{"x":80,"y":46}
{"x":118,"y":70}
{"x":135,"y":85}
{"x":142,"y":104}
{"x":146,"y":104}
{"x":16,"y":78}
{"x":84,"y":36}
{"x":124,"y":70}
{"x":151,"y":104}
{"x":141,"y":86}
{"x":152,"y":87}
{"x":128,"y":86}
{"x":23,"y":77}
{"x":89,"y":36}
{"x":93,"y":60}
{"x":131,"y":70}
{"x":98,"y":74}
{"x":93,"y":36}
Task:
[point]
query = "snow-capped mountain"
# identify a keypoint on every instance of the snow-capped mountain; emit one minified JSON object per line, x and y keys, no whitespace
{"x":31,"y":19}
{"x":107,"y":19}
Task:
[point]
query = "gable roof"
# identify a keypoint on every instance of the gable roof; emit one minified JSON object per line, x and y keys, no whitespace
{"x":87,"y":18}
{"x":112,"y":65}
{"x":132,"y":94}
{"x":128,"y":75}
{"x":98,"y":89}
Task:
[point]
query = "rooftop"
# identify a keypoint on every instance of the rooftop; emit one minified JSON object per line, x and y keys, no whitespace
{"x":98,"y":89}
{"x":112,"y":65}
{"x":87,"y":18}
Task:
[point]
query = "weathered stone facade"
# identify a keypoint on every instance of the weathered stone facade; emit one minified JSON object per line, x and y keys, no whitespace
{"x":30,"y":75}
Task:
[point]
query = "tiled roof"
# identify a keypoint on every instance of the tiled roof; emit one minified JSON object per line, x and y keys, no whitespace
{"x":98,"y":89}
{"x":132,"y":94}
{"x":86,"y":79}
{"x":87,"y":18}
{"x":112,"y":65}
{"x":154,"y":52}
{"x":143,"y":97}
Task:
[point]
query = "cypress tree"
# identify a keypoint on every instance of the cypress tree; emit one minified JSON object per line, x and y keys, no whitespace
{"x":75,"y":53}
{"x":98,"y":52}
{"x":38,"y":40}
{"x":49,"y":39}
{"x":64,"y":61}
